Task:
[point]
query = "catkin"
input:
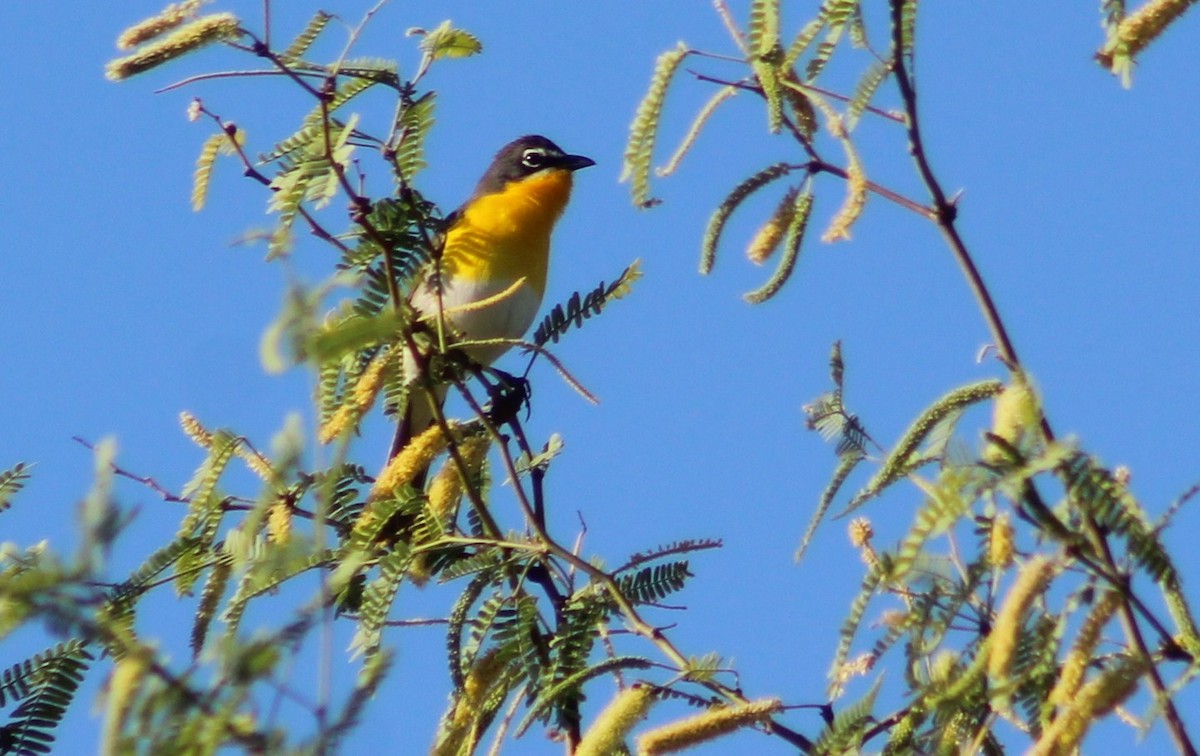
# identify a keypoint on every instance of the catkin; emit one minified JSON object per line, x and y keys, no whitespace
{"x":199,"y":33}
{"x":701,"y":728}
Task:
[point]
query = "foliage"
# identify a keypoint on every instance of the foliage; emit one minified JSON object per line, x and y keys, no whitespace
{"x":982,"y":612}
{"x":993,"y":626}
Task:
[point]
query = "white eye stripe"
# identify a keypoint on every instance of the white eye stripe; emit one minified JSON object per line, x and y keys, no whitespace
{"x":534,"y":158}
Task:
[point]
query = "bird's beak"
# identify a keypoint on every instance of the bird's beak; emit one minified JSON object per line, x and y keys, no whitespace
{"x":575,"y":162}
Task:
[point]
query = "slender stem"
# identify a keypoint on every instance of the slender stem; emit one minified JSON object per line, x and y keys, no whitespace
{"x":945,"y":210}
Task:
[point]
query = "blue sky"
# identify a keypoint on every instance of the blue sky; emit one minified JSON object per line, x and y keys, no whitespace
{"x":123,"y":307}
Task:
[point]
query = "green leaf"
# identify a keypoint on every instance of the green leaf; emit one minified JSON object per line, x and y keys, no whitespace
{"x":865,"y":90}
{"x":448,"y":42}
{"x":377,"y":602}
{"x":846,"y":465}
{"x":763,"y":29}
{"x":210,"y":596}
{"x":564,"y":317}
{"x":651,"y":584}
{"x":45,"y":685}
{"x":204,"y":166}
{"x":571,"y":685}
{"x":305,"y":39}
{"x":643,"y":132}
{"x":844,"y":734}
{"x":201,"y":490}
{"x":12,"y":481}
{"x":346,"y":337}
{"x":412,"y":126}
{"x":903,"y":458}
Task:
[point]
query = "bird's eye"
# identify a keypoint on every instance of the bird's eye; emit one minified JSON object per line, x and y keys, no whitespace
{"x":533,"y":159}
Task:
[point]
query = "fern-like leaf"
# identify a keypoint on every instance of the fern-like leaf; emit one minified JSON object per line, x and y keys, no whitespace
{"x":45,"y":685}
{"x":949,"y":500}
{"x":572,"y":684}
{"x":377,"y":601}
{"x":571,"y":646}
{"x":272,"y":566}
{"x":1094,"y":489}
{"x":803,"y":39}
{"x":866,"y":88}
{"x":12,"y":481}
{"x":907,"y":10}
{"x":850,"y":625}
{"x":297,"y":142}
{"x":381,"y":70}
{"x":643,"y":132}
{"x":767,"y":73}
{"x":204,"y":166}
{"x":457,"y":623}
{"x":846,"y":465}
{"x":563,"y":318}
{"x":447,"y":41}
{"x":762,"y":33}
{"x":516,"y":626}
{"x":827,"y":46}
{"x":687,"y":546}
{"x":305,"y":39}
{"x":844,"y":734}
{"x":342,"y":95}
{"x":205,"y":504}
{"x":904,"y":458}
{"x":210,"y":596}
{"x":412,"y":126}
{"x":652,"y":584}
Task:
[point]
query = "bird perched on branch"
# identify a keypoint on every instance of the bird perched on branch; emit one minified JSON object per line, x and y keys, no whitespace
{"x":490,"y":277}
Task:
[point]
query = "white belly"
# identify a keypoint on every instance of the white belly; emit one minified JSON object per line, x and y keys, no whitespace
{"x":507,"y":318}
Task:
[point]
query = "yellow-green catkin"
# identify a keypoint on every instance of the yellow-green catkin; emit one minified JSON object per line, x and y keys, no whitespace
{"x":1000,"y":542}
{"x":258,"y":464}
{"x":185,"y":39}
{"x":851,"y":668}
{"x":861,"y":533}
{"x":856,"y":194}
{"x":1016,"y":411}
{"x":1143,"y":26}
{"x":122,"y":685}
{"x":366,"y":390}
{"x":702,"y":728}
{"x":1031,"y":580}
{"x":279,"y":522}
{"x":1070,"y":677}
{"x":462,"y":722}
{"x":411,"y":460}
{"x":607,"y":734}
{"x":1095,"y":700}
{"x":446,"y":488}
{"x":194,"y":430}
{"x":155,"y":26}
{"x":770,"y":235}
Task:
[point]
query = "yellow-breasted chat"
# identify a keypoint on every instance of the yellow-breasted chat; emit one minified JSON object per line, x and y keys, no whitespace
{"x":489,"y":279}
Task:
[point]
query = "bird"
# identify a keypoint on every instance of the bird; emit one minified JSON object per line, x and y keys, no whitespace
{"x":490,"y":277}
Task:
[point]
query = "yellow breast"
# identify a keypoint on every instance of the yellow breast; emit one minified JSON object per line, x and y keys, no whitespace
{"x":506,"y":235}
